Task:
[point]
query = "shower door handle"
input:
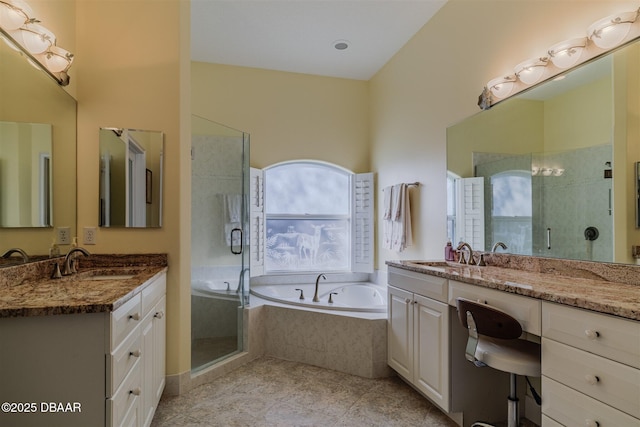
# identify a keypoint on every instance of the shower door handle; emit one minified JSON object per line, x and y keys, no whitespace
{"x":233,"y":232}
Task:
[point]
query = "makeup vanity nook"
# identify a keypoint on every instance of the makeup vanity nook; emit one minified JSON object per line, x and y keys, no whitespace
{"x":589,"y":330}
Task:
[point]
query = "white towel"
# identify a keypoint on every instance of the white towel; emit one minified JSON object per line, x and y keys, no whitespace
{"x":232,"y":217}
{"x":386,"y":204}
{"x":401,"y":226}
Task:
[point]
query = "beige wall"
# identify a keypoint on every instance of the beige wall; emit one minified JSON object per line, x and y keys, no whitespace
{"x":130,"y":72}
{"x":435,"y":80}
{"x":289,"y":116}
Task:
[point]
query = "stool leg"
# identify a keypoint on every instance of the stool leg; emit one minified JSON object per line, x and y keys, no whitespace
{"x":514,"y":417}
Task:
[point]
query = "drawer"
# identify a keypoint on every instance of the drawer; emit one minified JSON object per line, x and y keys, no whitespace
{"x":608,"y":336}
{"x":549,"y":422}
{"x":122,"y":360}
{"x":433,"y":287}
{"x":568,"y":407}
{"x":124,"y":320}
{"x":152,"y":293}
{"x":524,"y":309}
{"x":125,"y":400}
{"x":611,"y":382}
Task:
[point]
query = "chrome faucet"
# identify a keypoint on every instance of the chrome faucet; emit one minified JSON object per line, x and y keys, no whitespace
{"x":69,"y":266}
{"x":315,"y":296}
{"x":497,"y":245}
{"x":469,"y":261}
{"x":23,"y":254}
{"x":241,"y":280}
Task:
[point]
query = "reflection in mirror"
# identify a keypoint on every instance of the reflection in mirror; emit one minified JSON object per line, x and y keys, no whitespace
{"x":130,"y":178}
{"x":32,"y":103}
{"x":537,"y":171}
{"x":25,"y":175}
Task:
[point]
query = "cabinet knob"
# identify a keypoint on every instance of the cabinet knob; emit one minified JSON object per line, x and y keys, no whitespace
{"x":135,"y":353}
{"x":136,"y":391}
{"x":159,"y":315}
{"x":135,"y":316}
{"x":591,"y":379}
{"x":591,"y":334}
{"x":591,"y":423}
{"x":407,"y":300}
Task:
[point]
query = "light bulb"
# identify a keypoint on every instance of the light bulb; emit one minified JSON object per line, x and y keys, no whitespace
{"x":501,"y":87}
{"x":14,"y":14}
{"x":34,"y":37}
{"x":57,"y":59}
{"x":567,"y":53}
{"x":530,"y":72}
{"x":611,"y":31}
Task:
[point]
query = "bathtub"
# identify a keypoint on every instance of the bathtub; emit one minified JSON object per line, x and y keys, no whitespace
{"x":353,"y":296}
{"x":214,"y":289}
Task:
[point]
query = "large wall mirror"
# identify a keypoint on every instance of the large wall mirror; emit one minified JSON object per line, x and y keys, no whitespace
{"x":130,"y":178}
{"x":550,"y":172}
{"x":37,"y":156}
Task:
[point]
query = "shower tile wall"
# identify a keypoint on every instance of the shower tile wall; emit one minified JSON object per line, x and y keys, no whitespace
{"x":215,"y":172}
{"x":577,"y":199}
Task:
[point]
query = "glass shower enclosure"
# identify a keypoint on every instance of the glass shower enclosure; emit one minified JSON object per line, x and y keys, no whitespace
{"x":219,"y":241}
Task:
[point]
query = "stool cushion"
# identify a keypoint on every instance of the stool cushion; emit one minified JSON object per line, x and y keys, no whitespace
{"x":516,"y":356}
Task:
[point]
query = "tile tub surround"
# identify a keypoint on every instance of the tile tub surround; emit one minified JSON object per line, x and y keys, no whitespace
{"x":606,"y":288}
{"x":28,"y":290}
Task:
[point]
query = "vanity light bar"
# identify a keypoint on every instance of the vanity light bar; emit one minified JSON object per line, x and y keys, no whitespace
{"x":19,"y":28}
{"x":602,"y":36}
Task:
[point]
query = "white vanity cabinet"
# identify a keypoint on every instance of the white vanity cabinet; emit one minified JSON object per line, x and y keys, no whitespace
{"x":96,"y":369}
{"x":418,"y":332}
{"x":590,"y":368}
{"x":135,"y":367}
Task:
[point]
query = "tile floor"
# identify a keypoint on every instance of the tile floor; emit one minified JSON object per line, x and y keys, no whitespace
{"x":274,"y":392}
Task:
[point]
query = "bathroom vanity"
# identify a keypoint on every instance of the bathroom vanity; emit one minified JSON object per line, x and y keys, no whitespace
{"x":585,"y":315}
{"x":83,"y":350}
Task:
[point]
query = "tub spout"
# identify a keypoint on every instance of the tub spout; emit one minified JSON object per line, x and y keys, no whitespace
{"x":315,"y":296}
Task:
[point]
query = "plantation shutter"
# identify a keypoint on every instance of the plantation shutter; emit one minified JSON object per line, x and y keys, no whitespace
{"x":362,"y":223}
{"x":256,"y":222}
{"x":470,"y":212}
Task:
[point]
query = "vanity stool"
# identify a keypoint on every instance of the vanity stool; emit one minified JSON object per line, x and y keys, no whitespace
{"x":493,"y":341}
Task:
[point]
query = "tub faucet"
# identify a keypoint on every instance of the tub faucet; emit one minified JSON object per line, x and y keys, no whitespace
{"x":241,"y":280}
{"x":469,"y":261}
{"x":497,"y":245}
{"x":23,"y":254}
{"x":69,"y":267}
{"x":315,"y":296}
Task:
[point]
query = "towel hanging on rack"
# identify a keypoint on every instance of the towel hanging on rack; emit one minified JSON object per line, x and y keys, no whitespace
{"x":397,"y":233}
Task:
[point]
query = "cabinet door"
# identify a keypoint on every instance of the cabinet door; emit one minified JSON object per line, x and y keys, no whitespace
{"x":159,"y":349}
{"x":153,"y":358}
{"x":431,"y":349}
{"x":400,"y":331}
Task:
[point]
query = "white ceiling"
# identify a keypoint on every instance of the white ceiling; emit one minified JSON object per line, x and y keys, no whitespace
{"x":298,"y":35}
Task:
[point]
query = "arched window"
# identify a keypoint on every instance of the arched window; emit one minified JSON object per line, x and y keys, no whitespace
{"x":317,"y":218}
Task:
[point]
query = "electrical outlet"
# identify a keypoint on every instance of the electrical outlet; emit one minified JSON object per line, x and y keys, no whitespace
{"x":89,"y":235}
{"x":64,"y":236}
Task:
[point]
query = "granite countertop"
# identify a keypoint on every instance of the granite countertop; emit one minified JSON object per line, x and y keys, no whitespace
{"x":583,"y":290}
{"x":28,"y":291}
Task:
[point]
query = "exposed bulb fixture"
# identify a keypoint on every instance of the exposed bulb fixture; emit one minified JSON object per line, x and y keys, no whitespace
{"x":609,"y":32}
{"x":567,"y":53}
{"x":531,"y":71}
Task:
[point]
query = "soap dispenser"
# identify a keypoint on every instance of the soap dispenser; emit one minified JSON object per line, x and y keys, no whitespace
{"x":448,"y":251}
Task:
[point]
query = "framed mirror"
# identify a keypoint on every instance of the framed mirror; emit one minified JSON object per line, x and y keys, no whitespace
{"x":37,"y":156}
{"x":131,"y":172}
{"x":549,"y":171}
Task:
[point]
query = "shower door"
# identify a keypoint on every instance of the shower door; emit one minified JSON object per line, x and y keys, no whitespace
{"x":219,"y":241}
